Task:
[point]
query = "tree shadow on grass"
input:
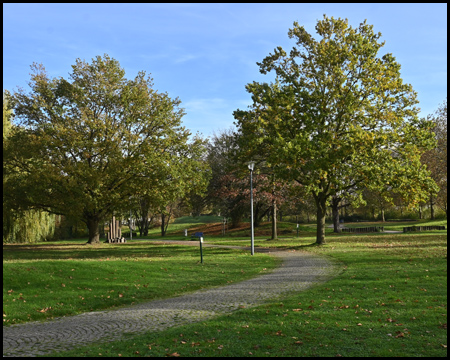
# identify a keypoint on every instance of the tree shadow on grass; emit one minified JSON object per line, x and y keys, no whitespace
{"x":116,"y":251}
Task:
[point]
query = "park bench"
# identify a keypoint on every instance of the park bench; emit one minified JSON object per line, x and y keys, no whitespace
{"x":364,"y":229}
{"x":423,"y":228}
{"x":197,"y":235}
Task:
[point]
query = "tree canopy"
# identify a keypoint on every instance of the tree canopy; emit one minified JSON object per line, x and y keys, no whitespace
{"x":84,"y":146}
{"x":436,"y":158}
{"x":337,"y":117}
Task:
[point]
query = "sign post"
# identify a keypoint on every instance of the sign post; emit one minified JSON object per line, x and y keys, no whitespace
{"x":201,"y":250}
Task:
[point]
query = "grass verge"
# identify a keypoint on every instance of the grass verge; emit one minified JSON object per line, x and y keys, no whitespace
{"x":390,"y":300}
{"x":48,"y":280}
{"x":213,"y":230}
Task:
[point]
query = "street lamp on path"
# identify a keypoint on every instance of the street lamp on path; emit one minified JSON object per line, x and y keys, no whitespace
{"x":251,"y":166}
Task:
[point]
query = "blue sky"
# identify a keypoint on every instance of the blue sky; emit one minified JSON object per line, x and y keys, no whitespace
{"x":205,"y":54}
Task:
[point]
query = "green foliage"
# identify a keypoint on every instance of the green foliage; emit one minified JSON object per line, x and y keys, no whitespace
{"x":84,"y":146}
{"x":22,"y":226}
{"x":337,"y":118}
{"x":30,"y":226}
{"x":436,"y":158}
{"x":7,"y":114}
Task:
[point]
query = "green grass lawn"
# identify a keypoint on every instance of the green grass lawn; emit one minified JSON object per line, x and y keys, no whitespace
{"x":211,"y":226}
{"x":389,"y":299}
{"x":175,"y":230}
{"x":53,"y":279}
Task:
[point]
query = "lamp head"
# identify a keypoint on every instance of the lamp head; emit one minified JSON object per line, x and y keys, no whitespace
{"x":251,"y":165}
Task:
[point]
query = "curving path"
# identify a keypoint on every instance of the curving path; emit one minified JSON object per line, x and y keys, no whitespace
{"x":298,"y":271}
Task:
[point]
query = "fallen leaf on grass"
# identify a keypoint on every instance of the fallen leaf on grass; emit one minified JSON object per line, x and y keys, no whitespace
{"x":175,"y":354}
{"x":45,"y":309}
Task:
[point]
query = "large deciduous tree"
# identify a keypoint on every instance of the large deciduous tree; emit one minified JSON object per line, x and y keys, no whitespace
{"x":336,"y":115}
{"x":85,"y":145}
{"x":436,"y":159}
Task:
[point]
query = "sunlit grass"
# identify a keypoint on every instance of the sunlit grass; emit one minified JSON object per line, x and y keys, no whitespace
{"x":390,"y":299}
{"x":66,"y":278}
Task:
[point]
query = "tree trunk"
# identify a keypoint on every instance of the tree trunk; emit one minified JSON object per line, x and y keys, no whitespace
{"x":94,"y":235}
{"x":145,"y":224}
{"x":163,"y":227}
{"x":165,"y":220}
{"x":256,"y":217}
{"x":431,"y":207}
{"x":168,"y":221}
{"x":236,"y":217}
{"x":274,"y":220}
{"x":321,"y":214}
{"x":335,"y":214}
{"x":142,"y":215}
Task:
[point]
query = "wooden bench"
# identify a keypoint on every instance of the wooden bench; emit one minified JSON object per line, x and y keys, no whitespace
{"x":423,"y":228}
{"x":364,"y":229}
{"x":197,"y":235}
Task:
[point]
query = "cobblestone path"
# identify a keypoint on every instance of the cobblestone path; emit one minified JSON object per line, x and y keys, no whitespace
{"x":299,"y":270}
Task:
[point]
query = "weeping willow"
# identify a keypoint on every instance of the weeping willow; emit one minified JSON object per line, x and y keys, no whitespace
{"x":29,"y":227}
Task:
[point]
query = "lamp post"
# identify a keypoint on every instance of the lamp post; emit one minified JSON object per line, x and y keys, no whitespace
{"x":251,"y":166}
{"x":131,"y":230}
{"x":129,"y":224}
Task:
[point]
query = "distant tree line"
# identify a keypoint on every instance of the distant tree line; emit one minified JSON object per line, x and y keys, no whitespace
{"x":336,"y":133}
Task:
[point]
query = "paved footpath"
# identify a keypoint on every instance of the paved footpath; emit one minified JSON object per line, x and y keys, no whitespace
{"x":299,"y":270}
